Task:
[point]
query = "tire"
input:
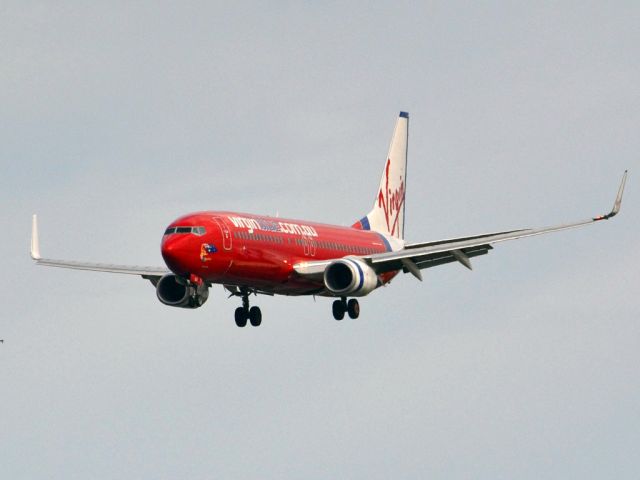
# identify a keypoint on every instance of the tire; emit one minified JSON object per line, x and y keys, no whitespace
{"x":255,"y":316}
{"x":241,"y":317}
{"x":353,"y":307}
{"x":338,"y":308}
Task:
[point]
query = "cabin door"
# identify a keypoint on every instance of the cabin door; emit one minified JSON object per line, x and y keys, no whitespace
{"x":226,"y":233}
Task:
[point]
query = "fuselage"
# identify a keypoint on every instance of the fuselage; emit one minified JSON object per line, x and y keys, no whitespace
{"x":243,"y":249}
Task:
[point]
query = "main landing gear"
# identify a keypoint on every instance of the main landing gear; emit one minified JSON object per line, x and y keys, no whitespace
{"x":340,"y":307}
{"x":244,"y":313}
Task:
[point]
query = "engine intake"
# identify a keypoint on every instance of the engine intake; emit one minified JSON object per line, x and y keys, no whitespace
{"x":177,"y":292}
{"x":350,"y":276}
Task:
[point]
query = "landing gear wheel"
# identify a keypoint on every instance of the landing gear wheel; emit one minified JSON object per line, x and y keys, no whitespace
{"x":241,"y":317}
{"x":353,"y":307}
{"x":255,"y":316}
{"x":339,"y":307}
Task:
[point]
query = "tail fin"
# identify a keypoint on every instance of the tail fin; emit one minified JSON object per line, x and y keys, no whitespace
{"x":387,"y":214}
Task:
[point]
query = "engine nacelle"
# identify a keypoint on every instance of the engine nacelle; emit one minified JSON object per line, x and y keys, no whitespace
{"x":350,"y":277}
{"x":177,"y":292}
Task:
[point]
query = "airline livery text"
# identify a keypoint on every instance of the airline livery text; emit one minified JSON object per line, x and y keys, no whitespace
{"x":272,"y":226}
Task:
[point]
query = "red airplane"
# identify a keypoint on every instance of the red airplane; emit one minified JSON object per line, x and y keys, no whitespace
{"x":253,"y":254}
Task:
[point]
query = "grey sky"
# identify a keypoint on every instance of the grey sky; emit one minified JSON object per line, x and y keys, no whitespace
{"x":116,"y":119}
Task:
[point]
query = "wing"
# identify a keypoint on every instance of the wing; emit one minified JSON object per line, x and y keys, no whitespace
{"x":417,"y":256}
{"x":152,"y":274}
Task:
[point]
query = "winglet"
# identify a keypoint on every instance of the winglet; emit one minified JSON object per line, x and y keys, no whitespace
{"x":618,"y":202}
{"x":616,"y":205}
{"x":35,"y":242}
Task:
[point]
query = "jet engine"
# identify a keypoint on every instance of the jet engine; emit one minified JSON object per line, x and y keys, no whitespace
{"x":177,"y":292}
{"x":350,"y":277}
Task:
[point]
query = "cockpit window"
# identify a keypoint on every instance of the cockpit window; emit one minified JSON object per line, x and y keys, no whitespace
{"x":195,"y":230}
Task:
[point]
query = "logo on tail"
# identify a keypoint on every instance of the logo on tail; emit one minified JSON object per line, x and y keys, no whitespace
{"x":391,"y":201}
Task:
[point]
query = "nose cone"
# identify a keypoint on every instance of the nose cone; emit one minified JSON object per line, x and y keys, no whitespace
{"x":174,"y":251}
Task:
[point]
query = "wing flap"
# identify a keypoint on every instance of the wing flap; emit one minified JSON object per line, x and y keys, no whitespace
{"x":430,"y":259}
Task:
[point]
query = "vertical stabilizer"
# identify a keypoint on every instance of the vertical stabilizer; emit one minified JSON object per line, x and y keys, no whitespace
{"x":387,"y":214}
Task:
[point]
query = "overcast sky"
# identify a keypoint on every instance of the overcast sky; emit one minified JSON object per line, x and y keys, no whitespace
{"x":114,"y":120}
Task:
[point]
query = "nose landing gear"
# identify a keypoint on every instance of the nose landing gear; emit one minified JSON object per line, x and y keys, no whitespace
{"x":340,"y":307}
{"x":244,"y":313}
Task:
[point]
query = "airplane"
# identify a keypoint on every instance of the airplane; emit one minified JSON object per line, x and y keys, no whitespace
{"x":255,"y":254}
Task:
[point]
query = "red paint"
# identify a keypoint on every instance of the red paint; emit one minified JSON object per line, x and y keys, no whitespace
{"x":260,"y":251}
